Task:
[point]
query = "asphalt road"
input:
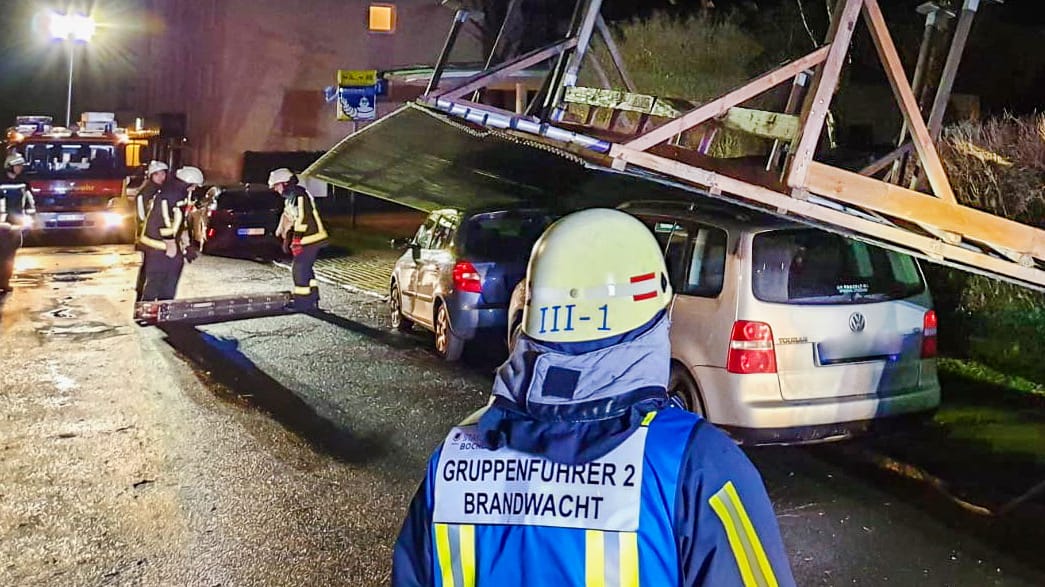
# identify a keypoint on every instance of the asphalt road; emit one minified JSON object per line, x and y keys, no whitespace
{"x":283,"y":450}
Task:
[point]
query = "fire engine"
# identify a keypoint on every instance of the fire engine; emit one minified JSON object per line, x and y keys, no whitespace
{"x":79,"y":176}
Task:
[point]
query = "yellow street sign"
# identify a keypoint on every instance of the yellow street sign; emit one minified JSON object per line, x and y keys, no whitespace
{"x":356,"y":77}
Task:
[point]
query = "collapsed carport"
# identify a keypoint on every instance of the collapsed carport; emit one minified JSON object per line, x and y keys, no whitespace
{"x":426,"y":160}
{"x":422,"y":159}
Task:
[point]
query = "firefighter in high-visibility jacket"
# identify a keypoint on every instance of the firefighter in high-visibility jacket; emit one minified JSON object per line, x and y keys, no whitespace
{"x":304,"y":235}
{"x":155,"y":177}
{"x":16,"y":212}
{"x":580,"y":471}
{"x":162,"y":235}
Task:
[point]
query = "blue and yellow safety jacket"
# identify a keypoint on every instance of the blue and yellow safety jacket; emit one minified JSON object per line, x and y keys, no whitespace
{"x":581,"y":472}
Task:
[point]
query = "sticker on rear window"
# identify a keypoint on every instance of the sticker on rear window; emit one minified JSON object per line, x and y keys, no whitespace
{"x":853,"y":288}
{"x":668,"y":227}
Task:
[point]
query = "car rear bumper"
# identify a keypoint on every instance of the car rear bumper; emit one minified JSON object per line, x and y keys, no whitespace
{"x":228,"y":237}
{"x":96,"y":221}
{"x":751,"y":406}
{"x":468,"y":317}
{"x":826,"y":432}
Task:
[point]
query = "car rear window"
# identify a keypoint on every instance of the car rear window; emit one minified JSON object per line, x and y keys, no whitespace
{"x":814,"y":267}
{"x":503,"y":236}
{"x":249,"y":201}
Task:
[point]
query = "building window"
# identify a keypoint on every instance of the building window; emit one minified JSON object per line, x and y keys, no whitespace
{"x":381,"y":18}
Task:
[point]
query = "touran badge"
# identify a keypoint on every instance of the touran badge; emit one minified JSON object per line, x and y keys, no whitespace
{"x":857,"y":322}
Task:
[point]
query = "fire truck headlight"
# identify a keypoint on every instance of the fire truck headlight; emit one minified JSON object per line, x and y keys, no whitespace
{"x":112,"y":219}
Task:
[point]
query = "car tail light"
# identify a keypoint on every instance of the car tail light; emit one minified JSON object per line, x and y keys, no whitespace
{"x":929,"y":324}
{"x":210,"y":233}
{"x":751,"y":348}
{"x":466,"y":278}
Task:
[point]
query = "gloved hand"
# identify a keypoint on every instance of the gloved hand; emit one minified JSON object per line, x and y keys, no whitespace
{"x":286,"y":243}
{"x":296,"y":247}
{"x":191,"y":253}
{"x":172,"y":248}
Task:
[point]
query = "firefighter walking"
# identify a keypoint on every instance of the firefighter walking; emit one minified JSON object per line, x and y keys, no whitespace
{"x":155,"y":177}
{"x":161,"y":235}
{"x":16,"y":210}
{"x":303,"y":234}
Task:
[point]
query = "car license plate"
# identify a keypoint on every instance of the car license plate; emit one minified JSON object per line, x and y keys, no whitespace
{"x":250,"y":231}
{"x":70,"y":218}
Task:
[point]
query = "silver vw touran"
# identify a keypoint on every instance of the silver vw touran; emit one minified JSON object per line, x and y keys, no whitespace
{"x":783,"y":333}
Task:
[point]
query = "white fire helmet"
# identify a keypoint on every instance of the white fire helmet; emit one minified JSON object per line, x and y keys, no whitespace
{"x":281,"y":175}
{"x":13,"y":159}
{"x":190,"y":175}
{"x":592,"y":275}
{"x":156,"y":167}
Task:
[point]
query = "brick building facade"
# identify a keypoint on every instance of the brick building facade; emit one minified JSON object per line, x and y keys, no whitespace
{"x":249,"y":74}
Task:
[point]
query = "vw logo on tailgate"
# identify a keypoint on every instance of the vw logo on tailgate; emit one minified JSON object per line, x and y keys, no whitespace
{"x":857,"y":322}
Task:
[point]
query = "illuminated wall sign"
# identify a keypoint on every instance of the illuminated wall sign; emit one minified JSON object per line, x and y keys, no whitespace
{"x":381,"y":18}
{"x":356,"y":77}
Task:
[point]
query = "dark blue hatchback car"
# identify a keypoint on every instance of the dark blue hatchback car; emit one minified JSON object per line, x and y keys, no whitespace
{"x":458,"y":273}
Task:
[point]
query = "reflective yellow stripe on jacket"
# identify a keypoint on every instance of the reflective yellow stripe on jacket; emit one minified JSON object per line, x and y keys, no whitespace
{"x":171,"y":220}
{"x":612,"y":558}
{"x":751,"y":558}
{"x":455,"y":550}
{"x":301,"y":224}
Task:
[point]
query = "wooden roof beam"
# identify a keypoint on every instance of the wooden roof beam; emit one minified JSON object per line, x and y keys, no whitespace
{"x":818,"y":101}
{"x":720,"y":106}
{"x":923,"y":143}
{"x":504,"y":70}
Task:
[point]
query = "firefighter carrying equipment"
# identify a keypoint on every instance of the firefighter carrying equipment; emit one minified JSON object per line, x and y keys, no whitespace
{"x":307,"y":236}
{"x":594,"y":274}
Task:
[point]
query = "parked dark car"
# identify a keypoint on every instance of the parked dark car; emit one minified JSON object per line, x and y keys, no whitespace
{"x":458,"y":273}
{"x":242,"y":217}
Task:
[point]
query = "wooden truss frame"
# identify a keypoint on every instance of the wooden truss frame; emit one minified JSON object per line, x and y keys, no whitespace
{"x":932,"y":225}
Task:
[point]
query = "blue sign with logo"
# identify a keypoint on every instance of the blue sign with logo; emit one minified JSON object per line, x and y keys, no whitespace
{"x":357,"y":103}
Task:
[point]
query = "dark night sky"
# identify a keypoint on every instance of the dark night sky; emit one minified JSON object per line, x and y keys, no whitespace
{"x":1002,"y":63}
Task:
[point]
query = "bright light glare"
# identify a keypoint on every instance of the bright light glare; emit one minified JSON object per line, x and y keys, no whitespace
{"x":78,"y":27}
{"x":112,"y":219}
{"x":26,"y":263}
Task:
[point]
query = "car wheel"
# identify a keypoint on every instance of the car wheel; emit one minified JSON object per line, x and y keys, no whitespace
{"x":683,"y":389}
{"x":395,"y":307}
{"x":447,"y":344}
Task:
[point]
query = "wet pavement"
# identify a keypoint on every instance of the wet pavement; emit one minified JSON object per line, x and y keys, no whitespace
{"x":283,"y":450}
